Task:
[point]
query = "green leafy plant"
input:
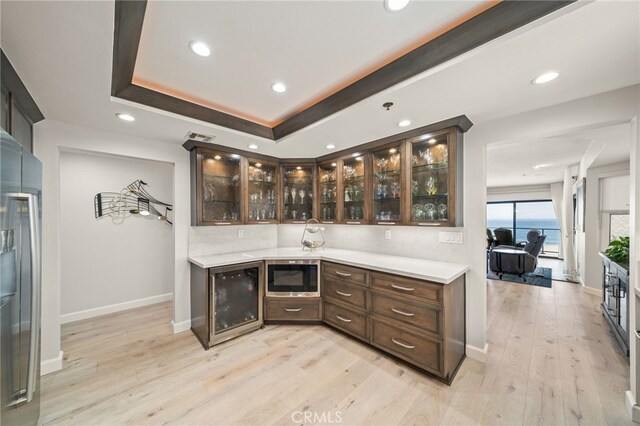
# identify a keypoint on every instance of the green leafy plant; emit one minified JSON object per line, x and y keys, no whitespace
{"x":618,"y":250}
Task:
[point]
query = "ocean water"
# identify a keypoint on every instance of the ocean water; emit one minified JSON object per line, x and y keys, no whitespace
{"x":549,"y":227}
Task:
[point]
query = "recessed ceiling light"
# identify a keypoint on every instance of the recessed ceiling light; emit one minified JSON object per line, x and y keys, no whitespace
{"x":125,"y":117}
{"x":217,"y":157}
{"x":432,"y":141}
{"x":279,"y":87}
{"x":199,"y":48}
{"x":395,"y":5}
{"x":253,"y":146}
{"x":404,"y":123}
{"x":545,"y":78}
{"x":330,"y":146}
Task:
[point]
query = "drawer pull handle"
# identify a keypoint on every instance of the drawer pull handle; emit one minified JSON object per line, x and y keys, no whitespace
{"x":342,"y":274}
{"x":637,"y":332}
{"x":343,"y":319}
{"x":399,"y":287}
{"x":292,"y":309}
{"x":406,"y":314}
{"x":343,"y":294}
{"x":404,"y":345}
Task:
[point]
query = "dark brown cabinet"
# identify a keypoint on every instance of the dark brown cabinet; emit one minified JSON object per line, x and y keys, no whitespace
{"x":328,"y":210}
{"x":298,"y":309}
{"x":262,"y":188}
{"x":417,"y":321}
{"x":298,"y":184}
{"x":388,"y":185}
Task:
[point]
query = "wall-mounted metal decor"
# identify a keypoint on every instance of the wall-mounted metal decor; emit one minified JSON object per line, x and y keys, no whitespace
{"x":132,"y":200}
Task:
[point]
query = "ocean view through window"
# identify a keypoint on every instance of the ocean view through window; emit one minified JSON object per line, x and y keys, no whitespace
{"x":523,"y":216}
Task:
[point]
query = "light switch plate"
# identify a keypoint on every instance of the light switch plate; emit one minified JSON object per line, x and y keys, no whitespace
{"x":450,"y":237}
{"x":240,"y":233}
{"x":387,"y":234}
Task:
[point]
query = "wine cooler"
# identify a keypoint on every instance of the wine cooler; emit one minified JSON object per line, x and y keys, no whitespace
{"x":231,"y":305}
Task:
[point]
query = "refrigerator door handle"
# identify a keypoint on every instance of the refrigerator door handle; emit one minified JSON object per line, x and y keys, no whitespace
{"x":34,"y":231}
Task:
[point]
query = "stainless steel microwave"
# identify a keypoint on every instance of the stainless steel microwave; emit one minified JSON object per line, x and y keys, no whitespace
{"x":293,"y":278}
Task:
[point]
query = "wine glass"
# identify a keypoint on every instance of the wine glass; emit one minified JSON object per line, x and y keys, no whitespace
{"x":293,"y":195}
{"x":395,"y":160}
{"x":301,"y":193}
{"x":286,"y":194}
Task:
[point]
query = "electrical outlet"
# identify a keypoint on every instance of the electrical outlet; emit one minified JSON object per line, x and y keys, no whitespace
{"x":387,"y":234}
{"x":240,"y":233}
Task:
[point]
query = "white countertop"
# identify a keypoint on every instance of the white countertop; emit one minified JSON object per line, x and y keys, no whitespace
{"x":440,"y":272}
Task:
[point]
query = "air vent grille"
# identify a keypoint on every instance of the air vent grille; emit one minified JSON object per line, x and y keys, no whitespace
{"x":199,"y":137}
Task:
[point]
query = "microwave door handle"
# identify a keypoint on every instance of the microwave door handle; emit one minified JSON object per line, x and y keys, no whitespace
{"x":34,"y":231}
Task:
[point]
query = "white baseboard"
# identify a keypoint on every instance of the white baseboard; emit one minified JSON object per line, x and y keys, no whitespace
{"x":478,"y":354}
{"x":632,"y":407}
{"x":117,"y":307}
{"x":592,"y":290}
{"x":50,"y":365}
{"x":179,"y":327}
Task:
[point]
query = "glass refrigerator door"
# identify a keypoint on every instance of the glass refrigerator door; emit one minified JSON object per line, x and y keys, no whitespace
{"x":236,"y":298}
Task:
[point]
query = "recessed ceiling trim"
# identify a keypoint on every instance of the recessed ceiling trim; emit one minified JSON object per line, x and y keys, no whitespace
{"x":494,"y":22}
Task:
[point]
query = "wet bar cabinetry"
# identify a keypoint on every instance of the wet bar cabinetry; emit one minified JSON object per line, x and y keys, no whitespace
{"x":413,"y":178}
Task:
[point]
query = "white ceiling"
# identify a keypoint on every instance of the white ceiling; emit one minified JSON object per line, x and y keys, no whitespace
{"x":63,"y":52}
{"x":512,"y":164}
{"x":312,"y":46}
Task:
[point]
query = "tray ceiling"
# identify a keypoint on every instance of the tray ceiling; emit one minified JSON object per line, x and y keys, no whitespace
{"x":315,"y":47}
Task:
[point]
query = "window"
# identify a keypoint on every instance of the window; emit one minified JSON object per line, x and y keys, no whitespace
{"x":523,"y":216}
{"x":618,"y":225}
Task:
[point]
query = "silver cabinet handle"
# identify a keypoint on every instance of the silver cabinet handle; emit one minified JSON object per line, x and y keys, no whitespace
{"x":292,"y":309}
{"x":343,"y":294}
{"x":342,"y":274}
{"x":637,"y":332}
{"x":399,"y":287}
{"x":404,"y":345}
{"x":343,"y":319}
{"x":34,"y":231}
{"x":406,"y":314}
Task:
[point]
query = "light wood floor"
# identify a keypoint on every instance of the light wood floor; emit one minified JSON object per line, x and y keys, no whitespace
{"x":552,"y":361}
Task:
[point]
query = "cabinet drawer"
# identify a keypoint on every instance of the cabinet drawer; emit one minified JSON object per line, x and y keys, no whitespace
{"x":407,"y":287}
{"x":344,"y":273}
{"x":348,"y":293}
{"x":349,"y":320}
{"x":292,"y":308}
{"x":415,"y":347}
{"x":427,"y":317}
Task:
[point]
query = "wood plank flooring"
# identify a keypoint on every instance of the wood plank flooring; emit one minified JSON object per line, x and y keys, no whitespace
{"x":552,"y":360}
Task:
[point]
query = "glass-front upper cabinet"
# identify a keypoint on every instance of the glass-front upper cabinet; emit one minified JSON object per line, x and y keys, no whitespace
{"x":433,"y":176}
{"x":328,"y":192}
{"x":297,"y":192}
{"x":387,"y":185}
{"x":353,"y":190}
{"x":262,"y":192}
{"x":220,"y":182}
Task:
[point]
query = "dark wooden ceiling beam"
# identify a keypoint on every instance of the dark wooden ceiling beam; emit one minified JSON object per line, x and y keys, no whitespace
{"x":496,"y":21}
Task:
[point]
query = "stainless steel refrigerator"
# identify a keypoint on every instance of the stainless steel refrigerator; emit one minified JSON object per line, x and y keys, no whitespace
{"x":20,"y":254}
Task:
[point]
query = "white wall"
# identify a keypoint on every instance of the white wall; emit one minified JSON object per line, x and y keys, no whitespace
{"x":52,"y":137}
{"x":104,"y":262}
{"x":615,"y":192}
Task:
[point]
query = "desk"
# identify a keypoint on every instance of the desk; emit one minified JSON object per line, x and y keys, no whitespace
{"x":510,"y":251}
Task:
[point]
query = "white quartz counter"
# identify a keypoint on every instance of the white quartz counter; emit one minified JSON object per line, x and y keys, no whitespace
{"x":440,"y":272}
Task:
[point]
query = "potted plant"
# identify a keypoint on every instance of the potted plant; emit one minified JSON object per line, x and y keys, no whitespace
{"x":618,"y":250}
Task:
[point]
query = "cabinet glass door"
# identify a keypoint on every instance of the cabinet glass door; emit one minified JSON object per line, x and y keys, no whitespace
{"x":387,"y":184}
{"x":328,"y":192}
{"x":236,"y":299}
{"x":354,"y":190}
{"x":430,"y":179}
{"x":221,"y":188}
{"x":298,"y":193}
{"x":262,"y":192}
